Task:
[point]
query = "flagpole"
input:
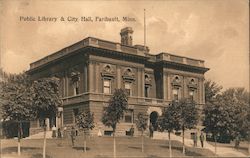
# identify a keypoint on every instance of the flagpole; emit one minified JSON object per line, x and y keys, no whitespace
{"x":144,"y":27}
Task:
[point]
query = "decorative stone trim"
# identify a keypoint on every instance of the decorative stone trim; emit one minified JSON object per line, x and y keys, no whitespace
{"x":176,"y":81}
{"x":192,"y":84}
{"x":108,"y":72}
{"x":75,"y":76}
{"x":128,"y":75}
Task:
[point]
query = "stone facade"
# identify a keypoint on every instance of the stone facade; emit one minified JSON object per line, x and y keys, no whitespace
{"x":91,"y":69}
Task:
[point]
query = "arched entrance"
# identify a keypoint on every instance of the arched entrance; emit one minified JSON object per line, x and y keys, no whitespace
{"x":153,"y":119}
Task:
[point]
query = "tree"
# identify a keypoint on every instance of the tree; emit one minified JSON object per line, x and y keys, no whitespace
{"x":188,"y":116}
{"x":17,"y":102}
{"x":117,"y":105}
{"x":169,"y":121}
{"x":226,"y":116}
{"x":216,"y":119}
{"x":237,"y":101}
{"x":85,"y":122}
{"x":46,"y":100}
{"x":141,"y":124}
{"x":211,"y":90}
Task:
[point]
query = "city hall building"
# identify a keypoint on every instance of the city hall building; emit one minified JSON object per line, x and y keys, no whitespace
{"x":91,"y":69}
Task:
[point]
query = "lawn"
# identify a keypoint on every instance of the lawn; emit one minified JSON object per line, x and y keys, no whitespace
{"x":98,"y":147}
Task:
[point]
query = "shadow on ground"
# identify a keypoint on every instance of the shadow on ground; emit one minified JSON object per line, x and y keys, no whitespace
{"x":80,"y":148}
{"x":10,"y":150}
{"x":134,"y":147}
{"x":189,"y":151}
{"x":39,"y":156}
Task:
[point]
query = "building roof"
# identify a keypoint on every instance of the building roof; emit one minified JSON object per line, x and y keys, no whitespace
{"x":136,"y":51}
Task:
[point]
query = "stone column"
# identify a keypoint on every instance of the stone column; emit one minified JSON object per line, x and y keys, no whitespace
{"x":165,"y":86}
{"x":64,"y":82}
{"x":143,"y":82}
{"x":169,"y":87}
{"x":202,"y":91}
{"x":97,"y":77}
{"x":185,"y":88}
{"x":67,"y":85}
{"x":91,"y":77}
{"x":139,"y":82}
{"x":199,"y":90}
{"x":85,"y":78}
{"x":118,"y":70}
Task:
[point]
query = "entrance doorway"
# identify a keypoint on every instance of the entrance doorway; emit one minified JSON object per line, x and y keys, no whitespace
{"x":153,"y":119}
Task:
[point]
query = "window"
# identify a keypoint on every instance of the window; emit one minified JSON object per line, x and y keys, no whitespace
{"x":76,"y":87}
{"x":107,"y":86}
{"x":191,"y":94}
{"x":128,"y":88}
{"x":146,"y":91}
{"x":128,"y":116}
{"x":175,"y":94}
{"x":75,"y":113}
{"x":41,"y":122}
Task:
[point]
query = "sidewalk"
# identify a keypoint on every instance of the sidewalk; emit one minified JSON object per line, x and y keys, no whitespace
{"x":221,"y":151}
{"x":40,"y":135}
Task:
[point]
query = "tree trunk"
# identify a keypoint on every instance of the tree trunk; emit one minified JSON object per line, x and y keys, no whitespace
{"x":170,"y":145}
{"x":183,"y":142}
{"x":142,"y":142}
{"x":19,"y":139}
{"x":85,"y":148}
{"x":248,"y":148}
{"x":44,"y":143}
{"x":215,"y":145}
{"x":114,"y":144}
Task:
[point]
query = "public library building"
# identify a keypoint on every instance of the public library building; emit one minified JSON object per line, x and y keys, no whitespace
{"x":91,"y":69}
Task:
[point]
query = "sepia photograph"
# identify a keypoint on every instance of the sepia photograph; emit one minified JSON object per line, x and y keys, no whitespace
{"x":124,"y":79}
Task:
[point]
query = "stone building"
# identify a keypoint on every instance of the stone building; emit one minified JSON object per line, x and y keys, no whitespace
{"x":92,"y":68}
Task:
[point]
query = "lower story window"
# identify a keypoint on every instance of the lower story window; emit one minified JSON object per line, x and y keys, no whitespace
{"x":75,"y":113}
{"x":146,"y":91}
{"x":128,"y":117}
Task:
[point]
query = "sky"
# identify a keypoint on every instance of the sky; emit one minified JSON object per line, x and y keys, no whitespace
{"x":216,"y":31}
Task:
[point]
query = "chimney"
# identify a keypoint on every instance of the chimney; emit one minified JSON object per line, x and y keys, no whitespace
{"x":126,"y":36}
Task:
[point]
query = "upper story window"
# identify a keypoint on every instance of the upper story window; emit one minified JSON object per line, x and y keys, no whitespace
{"x":128,"y":79}
{"x":191,"y":94}
{"x":107,"y":86}
{"x":175,"y":94}
{"x":128,"y":88}
{"x":76,"y":88}
{"x":147,"y":85}
{"x":75,"y":78}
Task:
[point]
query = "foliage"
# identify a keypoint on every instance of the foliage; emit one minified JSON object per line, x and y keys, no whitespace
{"x":227,"y":115}
{"x":115,"y":110}
{"x":17,"y":98}
{"x":85,"y":120}
{"x":24,"y":99}
{"x":188,"y":113}
{"x":170,"y":119}
{"x":211,"y":90}
{"x":141,"y":122}
{"x":46,"y":96}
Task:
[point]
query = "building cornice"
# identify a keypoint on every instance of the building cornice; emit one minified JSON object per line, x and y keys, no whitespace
{"x":115,"y":50}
